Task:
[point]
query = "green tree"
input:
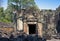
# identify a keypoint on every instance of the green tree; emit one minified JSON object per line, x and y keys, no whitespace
{"x":20,"y":4}
{"x":5,"y":16}
{"x":8,"y":15}
{"x":1,"y":14}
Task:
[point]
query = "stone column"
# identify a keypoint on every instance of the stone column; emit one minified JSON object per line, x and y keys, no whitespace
{"x":26,"y":30}
{"x":19,"y":24}
{"x":40,"y":32}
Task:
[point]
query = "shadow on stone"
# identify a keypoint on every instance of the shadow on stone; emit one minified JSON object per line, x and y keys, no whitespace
{"x":24,"y":38}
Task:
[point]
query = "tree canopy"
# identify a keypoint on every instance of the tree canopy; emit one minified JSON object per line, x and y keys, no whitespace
{"x":4,"y":16}
{"x":21,"y":4}
{"x":7,"y":15}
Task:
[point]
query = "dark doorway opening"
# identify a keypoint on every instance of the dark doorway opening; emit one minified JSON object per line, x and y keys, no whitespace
{"x":32,"y":28}
{"x":58,"y":26}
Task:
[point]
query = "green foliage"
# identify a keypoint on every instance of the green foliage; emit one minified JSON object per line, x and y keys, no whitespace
{"x":5,"y":16}
{"x":20,"y":4}
{"x":8,"y":15}
{"x":1,"y":14}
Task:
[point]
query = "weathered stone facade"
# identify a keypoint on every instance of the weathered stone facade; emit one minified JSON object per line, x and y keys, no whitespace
{"x":44,"y":21}
{"x":49,"y":22}
{"x":29,"y":19}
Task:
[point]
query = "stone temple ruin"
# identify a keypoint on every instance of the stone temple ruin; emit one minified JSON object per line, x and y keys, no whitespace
{"x":33,"y":22}
{"x":38,"y":22}
{"x":29,"y":22}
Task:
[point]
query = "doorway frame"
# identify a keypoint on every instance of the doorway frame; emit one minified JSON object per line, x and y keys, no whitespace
{"x":31,"y":24}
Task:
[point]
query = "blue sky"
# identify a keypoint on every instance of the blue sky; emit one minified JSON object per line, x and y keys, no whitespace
{"x":42,"y":4}
{"x":4,"y":4}
{"x":47,"y":4}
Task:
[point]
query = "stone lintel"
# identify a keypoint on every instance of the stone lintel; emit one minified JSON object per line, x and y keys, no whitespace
{"x":31,"y":22}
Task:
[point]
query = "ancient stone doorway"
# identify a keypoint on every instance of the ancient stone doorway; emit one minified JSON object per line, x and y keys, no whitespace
{"x":32,"y":28}
{"x":58,"y":26}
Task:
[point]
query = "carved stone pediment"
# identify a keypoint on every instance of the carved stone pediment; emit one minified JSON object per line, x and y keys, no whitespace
{"x":32,"y":19}
{"x":30,"y":16}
